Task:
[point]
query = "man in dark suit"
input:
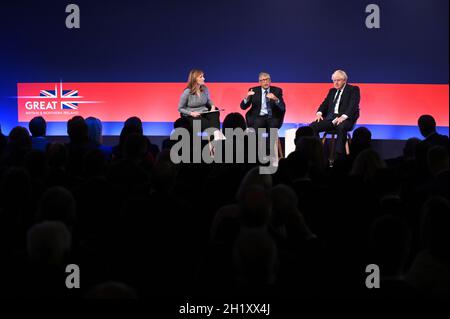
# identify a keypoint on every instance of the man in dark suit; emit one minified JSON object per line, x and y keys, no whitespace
{"x":266,"y":104}
{"x":427,"y":127}
{"x":339,"y":111}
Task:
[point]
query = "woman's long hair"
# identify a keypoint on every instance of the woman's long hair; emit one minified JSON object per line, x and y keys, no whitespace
{"x":192,"y":81}
{"x":94,"y":130}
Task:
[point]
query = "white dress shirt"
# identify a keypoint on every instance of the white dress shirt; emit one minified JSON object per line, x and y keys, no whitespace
{"x":336,"y":107}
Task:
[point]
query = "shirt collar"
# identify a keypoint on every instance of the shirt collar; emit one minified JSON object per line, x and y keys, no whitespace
{"x":343,"y":87}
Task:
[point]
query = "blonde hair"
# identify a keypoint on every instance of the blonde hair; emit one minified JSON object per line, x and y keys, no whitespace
{"x":192,"y":81}
{"x":341,"y":73}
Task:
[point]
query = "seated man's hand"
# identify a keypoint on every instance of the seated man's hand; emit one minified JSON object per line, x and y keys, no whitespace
{"x":318,"y":118}
{"x":272,"y":96}
{"x":339,"y":120}
{"x":250,"y":93}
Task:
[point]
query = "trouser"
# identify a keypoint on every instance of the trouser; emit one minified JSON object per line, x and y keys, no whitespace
{"x":207,"y":120}
{"x":341,"y":129}
{"x":267,"y":123}
{"x":204,"y":121}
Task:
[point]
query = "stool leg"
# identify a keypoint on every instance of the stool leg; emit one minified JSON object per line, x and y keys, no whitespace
{"x":212,"y":149}
{"x":332,"y":153}
{"x":275,"y":149}
{"x":347,"y":144}
{"x":280,"y":149}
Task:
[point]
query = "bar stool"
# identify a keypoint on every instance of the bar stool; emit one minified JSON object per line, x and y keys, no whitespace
{"x":332,"y":148}
{"x":279,"y":147}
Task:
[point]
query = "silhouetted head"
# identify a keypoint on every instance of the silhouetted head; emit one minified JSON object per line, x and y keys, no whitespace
{"x":94,"y":130}
{"x":182,"y":122}
{"x":48,"y":243}
{"x":233,"y":121}
{"x":57,"y":155}
{"x":19,"y":139}
{"x":132,"y":127}
{"x":38,"y":126}
{"x":366,"y":164}
{"x":303,"y":131}
{"x":361,"y":140}
{"x":297,"y":164}
{"x":253,"y":177}
{"x":135,"y":147}
{"x":57,"y":203}
{"x":19,"y":145}
{"x":362,"y":135}
{"x":135,"y":123}
{"x":255,"y":207}
{"x":427,"y":125}
{"x":77,"y":130}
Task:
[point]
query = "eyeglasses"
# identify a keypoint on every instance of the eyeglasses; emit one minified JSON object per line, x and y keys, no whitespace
{"x":263,"y":80}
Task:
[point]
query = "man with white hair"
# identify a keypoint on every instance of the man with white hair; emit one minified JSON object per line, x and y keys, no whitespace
{"x":339,"y":111}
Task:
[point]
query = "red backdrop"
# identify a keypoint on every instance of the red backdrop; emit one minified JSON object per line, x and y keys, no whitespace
{"x":386,"y":104}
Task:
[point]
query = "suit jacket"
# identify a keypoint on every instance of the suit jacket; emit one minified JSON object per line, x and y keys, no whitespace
{"x":349,"y":104}
{"x":278,"y":110}
{"x":437,"y":139}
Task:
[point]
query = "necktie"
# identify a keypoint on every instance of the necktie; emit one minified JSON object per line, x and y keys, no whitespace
{"x":269,"y":111}
{"x":336,"y":98}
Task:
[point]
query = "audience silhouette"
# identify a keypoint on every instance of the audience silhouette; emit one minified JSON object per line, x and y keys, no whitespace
{"x":139,"y":225}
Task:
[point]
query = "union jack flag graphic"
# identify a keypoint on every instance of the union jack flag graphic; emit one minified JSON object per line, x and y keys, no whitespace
{"x":62,"y":94}
{"x":68,"y":100}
